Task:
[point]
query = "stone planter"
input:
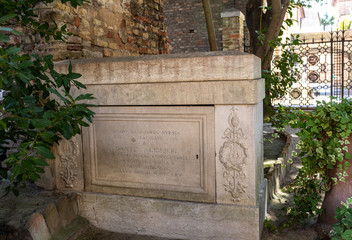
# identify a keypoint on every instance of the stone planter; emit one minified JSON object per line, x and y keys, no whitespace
{"x":339,"y":192}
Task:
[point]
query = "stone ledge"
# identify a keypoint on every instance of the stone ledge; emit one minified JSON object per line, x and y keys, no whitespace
{"x":58,"y":220}
{"x":173,"y":219}
{"x":198,"y":67}
{"x":185,"y":93}
{"x":232,"y":13}
{"x":278,"y":168}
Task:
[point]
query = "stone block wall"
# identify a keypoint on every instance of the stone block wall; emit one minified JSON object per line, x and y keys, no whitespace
{"x":104,"y":28}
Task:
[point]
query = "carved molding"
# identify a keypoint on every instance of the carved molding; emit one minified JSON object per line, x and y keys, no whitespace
{"x":68,"y":151}
{"x":234,"y":155}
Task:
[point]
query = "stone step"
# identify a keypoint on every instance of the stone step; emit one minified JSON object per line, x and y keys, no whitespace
{"x":75,"y":228}
{"x":94,"y":233}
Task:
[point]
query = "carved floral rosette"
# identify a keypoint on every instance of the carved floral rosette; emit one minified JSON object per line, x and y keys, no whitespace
{"x":233,"y":156}
{"x":68,"y":151}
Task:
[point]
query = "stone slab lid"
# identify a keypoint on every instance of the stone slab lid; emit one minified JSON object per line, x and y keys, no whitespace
{"x":194,"y":67}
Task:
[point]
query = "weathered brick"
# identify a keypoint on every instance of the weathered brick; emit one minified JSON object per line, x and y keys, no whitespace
{"x":99,"y":32}
{"x":113,"y":45}
{"x":74,"y":47}
{"x":110,"y":34}
{"x":145,"y":35}
{"x":128,"y":47}
{"x":187,"y":26}
{"x":102,"y":43}
{"x":95,"y":27}
{"x":136,"y":32}
{"x":107,"y":52}
{"x":77,"y":21}
{"x":142,"y":50}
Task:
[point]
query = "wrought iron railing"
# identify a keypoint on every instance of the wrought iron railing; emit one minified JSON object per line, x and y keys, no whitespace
{"x":326,"y":70}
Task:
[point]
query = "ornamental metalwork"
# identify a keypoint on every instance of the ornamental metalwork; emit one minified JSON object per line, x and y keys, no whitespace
{"x":326,"y":70}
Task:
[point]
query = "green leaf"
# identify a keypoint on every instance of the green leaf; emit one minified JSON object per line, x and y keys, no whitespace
{"x":320,"y":150}
{"x":348,"y":155}
{"x":7,"y":17}
{"x":347,"y":235}
{"x":4,"y":38}
{"x":10,"y":30}
{"x":22,"y":123}
{"x":12,"y":50}
{"x":23,"y":77}
{"x":2,"y":124}
{"x":15,"y":171}
{"x":47,"y":134}
{"x":29,"y":100}
{"x":44,"y":152}
{"x":54,"y":91}
{"x":40,"y":123}
{"x":79,"y":84}
{"x":66,"y":130}
{"x":84,"y":97}
{"x":40,"y":162}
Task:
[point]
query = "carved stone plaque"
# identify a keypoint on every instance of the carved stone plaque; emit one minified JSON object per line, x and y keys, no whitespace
{"x":152,"y":151}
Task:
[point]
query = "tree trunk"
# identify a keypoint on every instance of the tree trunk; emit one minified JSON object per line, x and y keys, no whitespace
{"x":269,"y":23}
{"x":210,"y":25}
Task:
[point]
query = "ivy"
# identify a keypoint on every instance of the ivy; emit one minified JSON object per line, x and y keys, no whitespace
{"x":37,"y":109}
{"x":342,"y":230}
{"x":322,"y":146}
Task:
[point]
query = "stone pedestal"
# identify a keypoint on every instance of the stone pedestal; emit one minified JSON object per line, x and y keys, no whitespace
{"x":175,"y":148}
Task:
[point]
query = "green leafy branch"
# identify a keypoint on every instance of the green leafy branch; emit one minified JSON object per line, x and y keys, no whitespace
{"x":323,"y":144}
{"x":37,"y":109}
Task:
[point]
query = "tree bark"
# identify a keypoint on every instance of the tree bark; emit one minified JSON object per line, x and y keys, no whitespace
{"x":268,"y":23}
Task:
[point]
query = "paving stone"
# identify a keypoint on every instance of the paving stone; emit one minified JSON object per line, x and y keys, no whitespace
{"x":37,"y":227}
{"x":52,"y":218}
{"x":65,"y":210}
{"x":76,"y":227}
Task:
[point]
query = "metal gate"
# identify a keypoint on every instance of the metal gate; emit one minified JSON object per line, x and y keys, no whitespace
{"x":326,"y":70}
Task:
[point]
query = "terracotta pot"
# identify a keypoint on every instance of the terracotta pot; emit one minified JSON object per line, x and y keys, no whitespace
{"x":337,"y":193}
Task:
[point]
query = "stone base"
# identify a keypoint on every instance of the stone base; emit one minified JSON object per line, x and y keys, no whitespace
{"x":174,"y":219}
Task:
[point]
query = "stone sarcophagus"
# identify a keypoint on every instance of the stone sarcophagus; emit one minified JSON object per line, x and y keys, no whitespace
{"x":175,"y":148}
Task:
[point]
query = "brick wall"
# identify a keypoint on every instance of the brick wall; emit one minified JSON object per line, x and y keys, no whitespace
{"x":104,"y":28}
{"x":186,"y":23}
{"x":232,"y":30}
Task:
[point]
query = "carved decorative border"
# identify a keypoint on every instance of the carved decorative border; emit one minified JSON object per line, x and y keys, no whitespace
{"x":68,"y":151}
{"x":233,"y":155}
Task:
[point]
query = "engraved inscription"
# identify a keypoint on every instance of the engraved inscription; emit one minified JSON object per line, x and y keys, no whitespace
{"x":147,"y":158}
{"x":161,"y":152}
{"x":233,"y":155}
{"x":149,"y":150}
